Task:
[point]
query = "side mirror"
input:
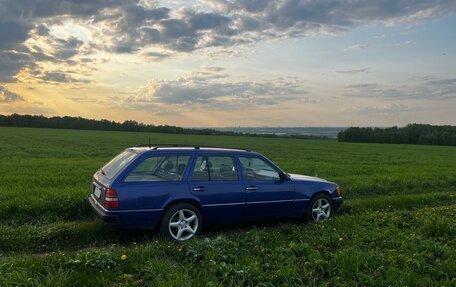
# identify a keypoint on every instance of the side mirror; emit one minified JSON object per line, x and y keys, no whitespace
{"x":284,"y":176}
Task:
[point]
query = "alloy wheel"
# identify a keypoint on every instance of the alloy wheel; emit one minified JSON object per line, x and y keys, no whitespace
{"x":321,"y":210}
{"x":183,"y":224}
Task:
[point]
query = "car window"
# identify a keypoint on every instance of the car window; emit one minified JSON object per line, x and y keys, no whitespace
{"x":159,"y":168}
{"x":214,"y":168}
{"x":118,"y":163}
{"x":256,"y":169}
{"x":200,"y":172}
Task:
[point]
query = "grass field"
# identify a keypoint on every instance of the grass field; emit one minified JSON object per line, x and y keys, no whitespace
{"x":396,"y":228}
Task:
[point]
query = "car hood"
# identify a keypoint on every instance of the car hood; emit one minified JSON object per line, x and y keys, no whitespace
{"x":300,"y":177}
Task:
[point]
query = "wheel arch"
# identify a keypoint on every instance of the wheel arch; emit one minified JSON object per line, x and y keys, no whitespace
{"x":325,"y":192}
{"x":191,"y":201}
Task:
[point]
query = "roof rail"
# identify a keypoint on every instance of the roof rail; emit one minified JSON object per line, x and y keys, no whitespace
{"x":153,"y":145}
{"x":157,"y":146}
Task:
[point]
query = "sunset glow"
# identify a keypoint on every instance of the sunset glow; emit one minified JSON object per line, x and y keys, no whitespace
{"x":221,"y":63}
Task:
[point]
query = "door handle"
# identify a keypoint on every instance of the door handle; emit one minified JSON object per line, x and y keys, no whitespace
{"x":251,"y":187}
{"x":200,"y":188}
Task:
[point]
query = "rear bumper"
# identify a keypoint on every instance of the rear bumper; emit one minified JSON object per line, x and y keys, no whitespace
{"x":102,"y":212}
{"x":337,"y":202}
{"x":135,"y":219}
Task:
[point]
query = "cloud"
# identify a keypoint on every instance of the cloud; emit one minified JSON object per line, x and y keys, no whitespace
{"x":11,"y":63}
{"x":155,"y":56}
{"x":6,"y":96}
{"x":13,"y":33}
{"x":20,"y":17}
{"x":381,"y":36}
{"x":406,"y":43}
{"x":357,"y":47}
{"x":134,"y":26}
{"x":42,"y":30}
{"x":31,"y":9}
{"x":381,"y":110}
{"x":25,"y":30}
{"x":67,"y":48}
{"x":209,"y":88}
{"x":30,"y":109}
{"x":131,"y":24}
{"x":354,"y":72}
{"x":60,"y":77}
{"x":81,"y":99}
{"x":442,"y":82}
{"x":55,"y":77}
{"x":188,"y":31}
{"x":31,"y":58}
{"x":427,"y":88}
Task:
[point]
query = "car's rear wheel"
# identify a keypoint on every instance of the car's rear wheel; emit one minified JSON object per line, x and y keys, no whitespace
{"x":181,"y":222}
{"x":320,"y":208}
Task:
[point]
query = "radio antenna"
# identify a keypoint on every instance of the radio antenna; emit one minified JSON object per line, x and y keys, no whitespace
{"x":150,"y":146}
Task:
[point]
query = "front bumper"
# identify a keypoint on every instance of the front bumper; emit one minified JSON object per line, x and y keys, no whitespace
{"x":337,"y":202}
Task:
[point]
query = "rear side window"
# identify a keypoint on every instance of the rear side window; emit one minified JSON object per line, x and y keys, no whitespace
{"x":215,"y":168}
{"x":256,"y":169}
{"x":159,"y":168}
{"x":118,"y":163}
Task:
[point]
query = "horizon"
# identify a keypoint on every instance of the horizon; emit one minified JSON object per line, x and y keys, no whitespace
{"x":233,"y":127}
{"x":227,"y":64}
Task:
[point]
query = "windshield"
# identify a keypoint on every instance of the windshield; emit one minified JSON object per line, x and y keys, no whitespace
{"x":118,"y":163}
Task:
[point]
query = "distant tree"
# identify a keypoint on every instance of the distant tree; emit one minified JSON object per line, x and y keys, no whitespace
{"x":66,"y":122}
{"x":410,"y":134}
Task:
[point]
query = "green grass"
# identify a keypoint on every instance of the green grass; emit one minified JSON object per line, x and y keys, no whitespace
{"x":396,"y":228}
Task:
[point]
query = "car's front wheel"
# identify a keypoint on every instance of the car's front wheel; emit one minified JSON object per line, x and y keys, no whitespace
{"x":181,"y":222}
{"x":320,"y":208}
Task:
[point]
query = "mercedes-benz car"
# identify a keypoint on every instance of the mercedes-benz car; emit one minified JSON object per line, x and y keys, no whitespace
{"x":181,"y":189}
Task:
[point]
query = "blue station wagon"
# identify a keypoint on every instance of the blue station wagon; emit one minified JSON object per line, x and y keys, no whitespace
{"x":180,"y":189}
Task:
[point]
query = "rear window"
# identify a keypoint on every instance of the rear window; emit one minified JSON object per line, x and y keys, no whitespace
{"x":118,"y":163}
{"x":160,"y":168}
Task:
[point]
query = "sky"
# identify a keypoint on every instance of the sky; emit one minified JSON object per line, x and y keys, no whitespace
{"x":217,"y":63}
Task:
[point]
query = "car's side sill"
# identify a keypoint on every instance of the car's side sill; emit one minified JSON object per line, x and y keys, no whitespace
{"x":270,"y":201}
{"x":223,"y":204}
{"x":253,"y":202}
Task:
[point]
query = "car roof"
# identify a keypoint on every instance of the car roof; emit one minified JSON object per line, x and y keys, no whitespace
{"x":187,"y":148}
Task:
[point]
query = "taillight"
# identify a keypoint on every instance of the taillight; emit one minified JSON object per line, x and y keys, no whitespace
{"x":338,"y":191}
{"x":111,"y":199}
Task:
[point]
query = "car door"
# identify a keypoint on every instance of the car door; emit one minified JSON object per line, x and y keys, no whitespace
{"x":215,"y":180}
{"x":267,"y":195}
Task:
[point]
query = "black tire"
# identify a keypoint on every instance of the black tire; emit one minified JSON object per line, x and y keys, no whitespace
{"x":173,"y":213}
{"x":317,"y":202}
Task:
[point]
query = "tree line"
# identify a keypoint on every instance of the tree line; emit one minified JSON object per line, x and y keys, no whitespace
{"x":78,"y":123}
{"x":421,"y":134}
